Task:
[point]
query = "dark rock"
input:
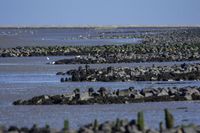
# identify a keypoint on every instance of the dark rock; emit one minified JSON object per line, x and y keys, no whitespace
{"x":62,"y":80}
{"x":13,"y":128}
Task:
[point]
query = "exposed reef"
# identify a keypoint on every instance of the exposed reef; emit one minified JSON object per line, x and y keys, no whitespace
{"x":178,"y":43}
{"x":152,"y":73}
{"x":107,"y":96}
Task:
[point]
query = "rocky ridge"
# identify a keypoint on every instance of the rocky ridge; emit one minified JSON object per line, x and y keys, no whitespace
{"x":107,"y":96}
{"x":151,"y":73}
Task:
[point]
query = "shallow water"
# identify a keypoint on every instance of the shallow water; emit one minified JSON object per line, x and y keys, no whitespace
{"x":83,"y":114}
{"x":13,"y":37}
{"x":25,"y":77}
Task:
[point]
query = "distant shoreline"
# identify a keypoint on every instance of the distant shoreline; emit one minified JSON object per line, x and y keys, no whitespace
{"x":98,"y":26}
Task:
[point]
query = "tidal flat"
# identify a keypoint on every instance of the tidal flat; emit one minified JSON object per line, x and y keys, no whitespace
{"x":25,"y":74}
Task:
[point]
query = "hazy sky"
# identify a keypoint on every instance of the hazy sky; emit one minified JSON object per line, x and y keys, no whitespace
{"x":99,"y":12}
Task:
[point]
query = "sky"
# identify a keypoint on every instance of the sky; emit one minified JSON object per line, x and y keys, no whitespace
{"x":99,"y":12}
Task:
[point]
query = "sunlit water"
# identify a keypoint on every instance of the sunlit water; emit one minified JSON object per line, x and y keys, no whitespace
{"x":25,"y":77}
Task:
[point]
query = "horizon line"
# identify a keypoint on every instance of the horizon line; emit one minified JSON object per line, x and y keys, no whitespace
{"x":93,"y":26}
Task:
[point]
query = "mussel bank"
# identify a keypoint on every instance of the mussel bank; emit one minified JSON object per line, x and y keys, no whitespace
{"x":152,"y":73}
{"x":106,"y":96}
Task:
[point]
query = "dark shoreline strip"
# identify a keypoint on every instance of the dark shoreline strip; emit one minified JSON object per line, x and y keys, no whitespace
{"x":106,"y":96}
